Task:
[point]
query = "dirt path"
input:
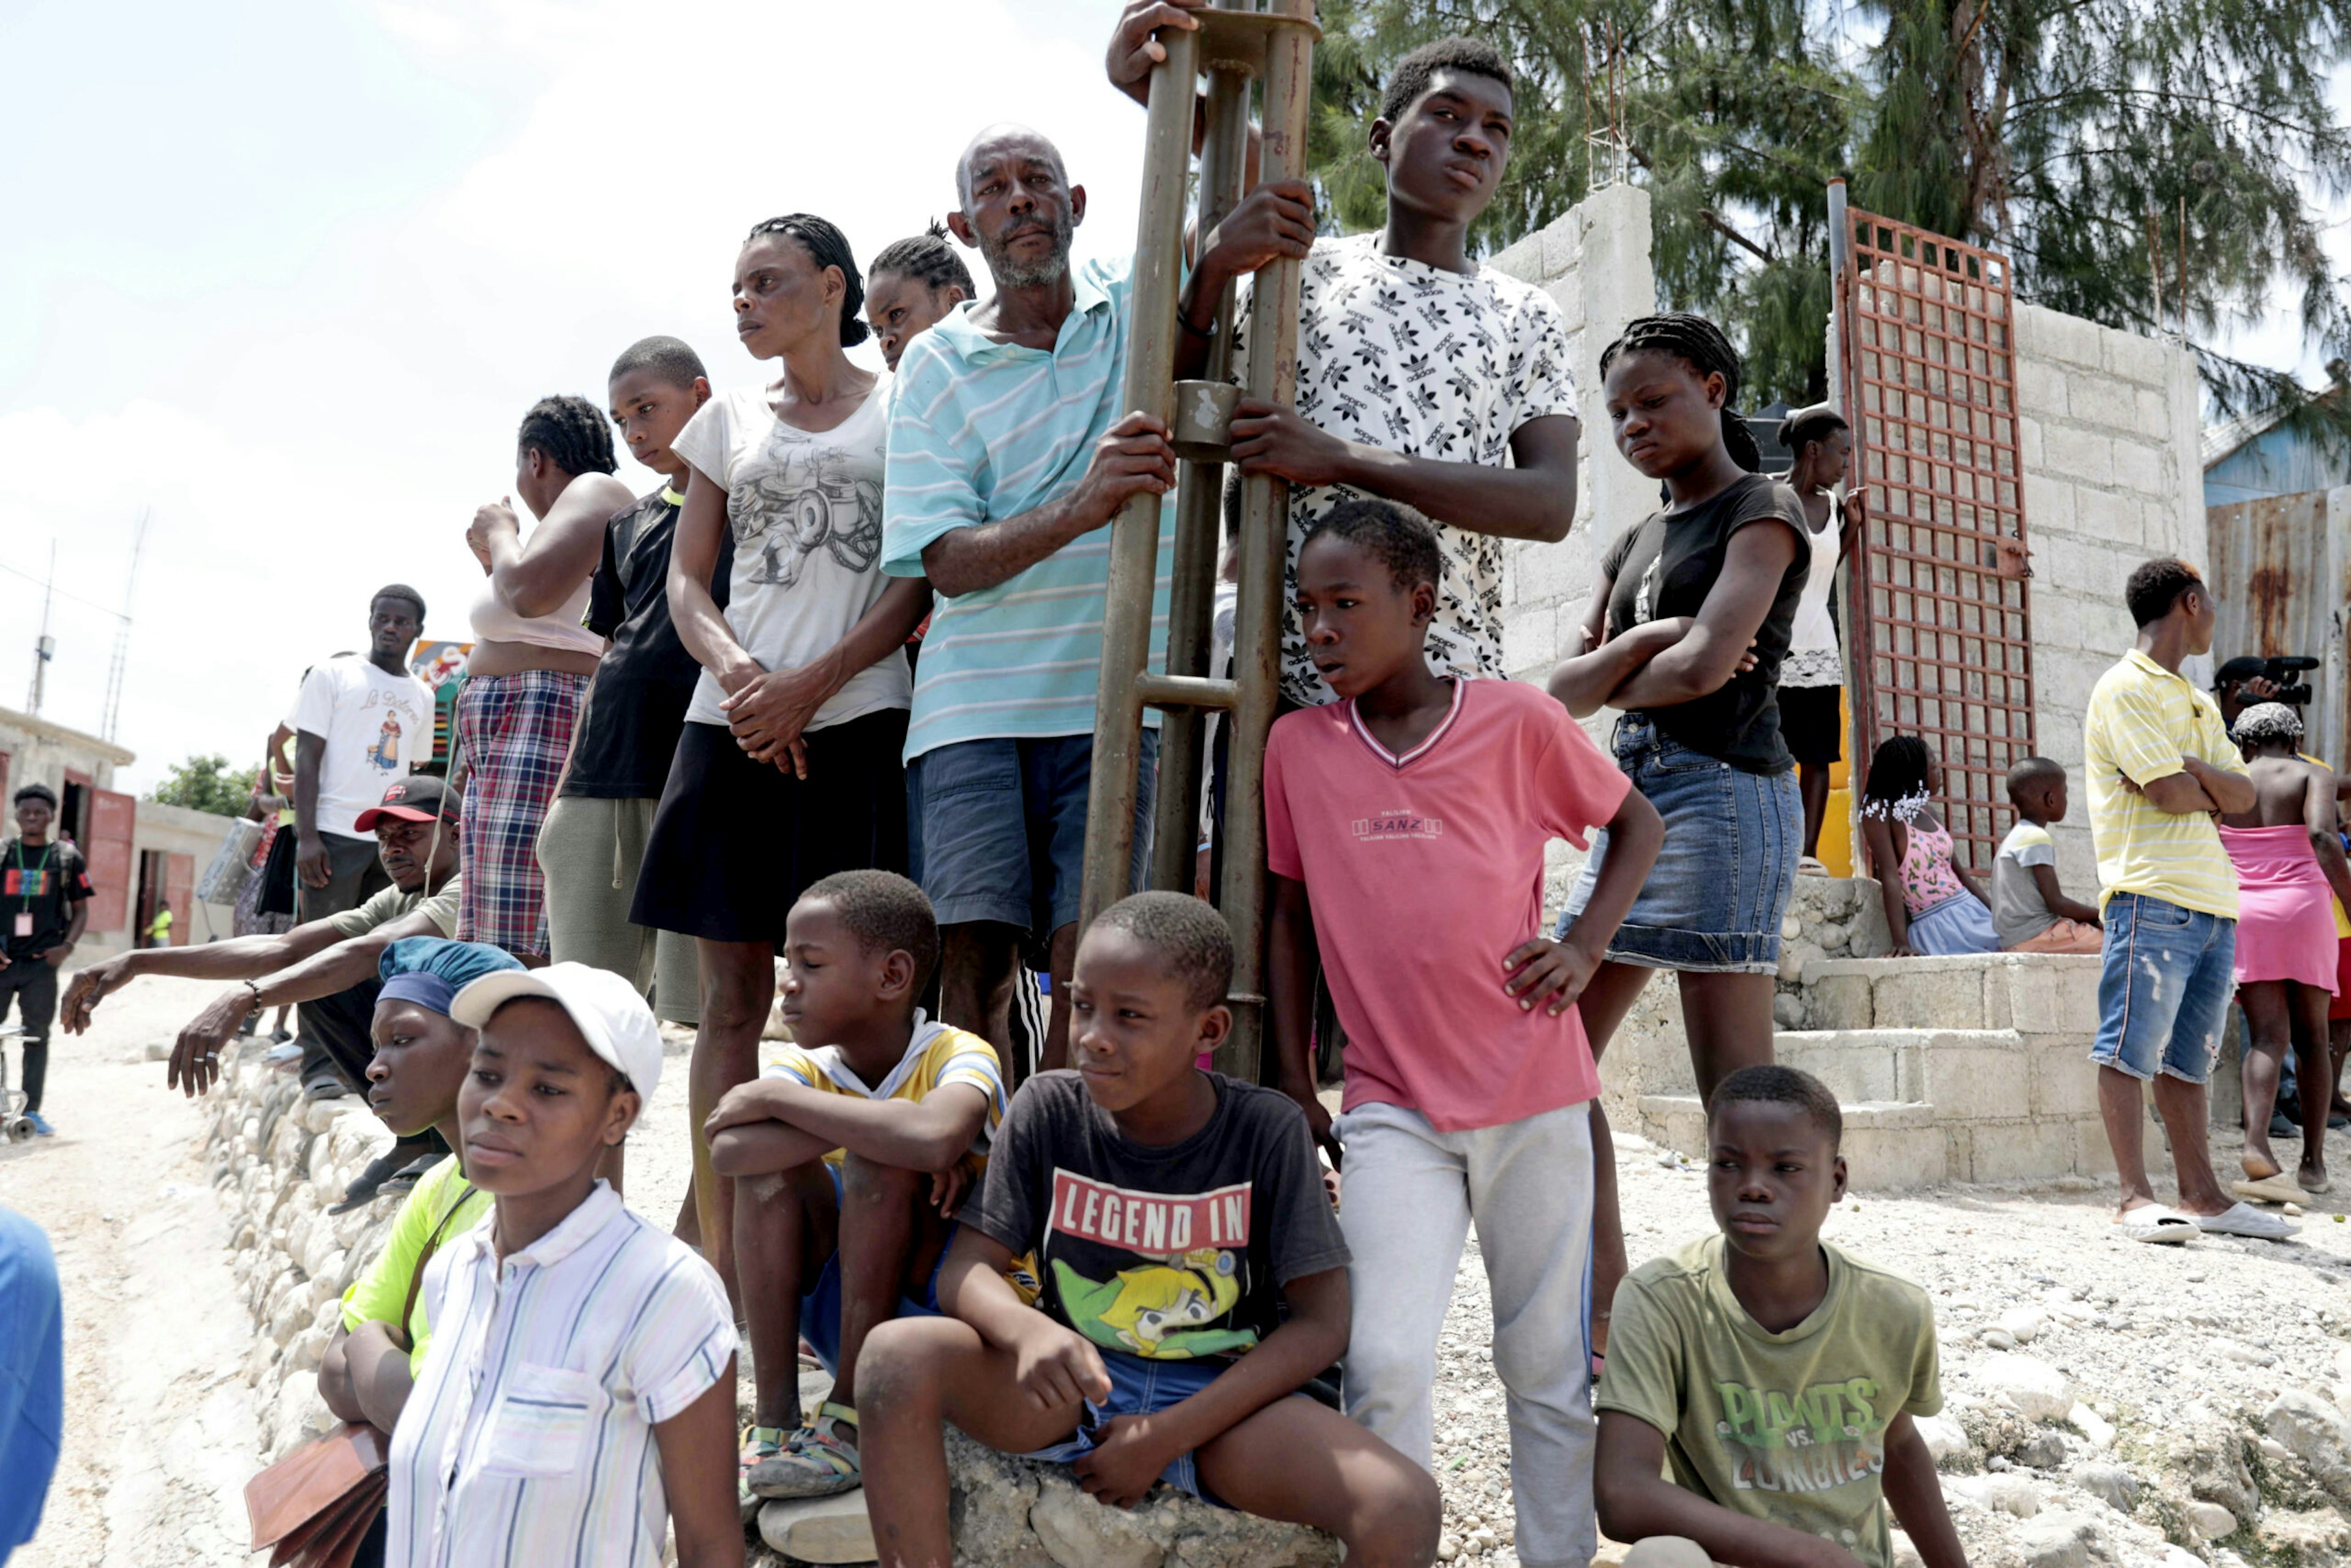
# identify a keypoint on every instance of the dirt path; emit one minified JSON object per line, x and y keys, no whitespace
{"x":159,"y":1435}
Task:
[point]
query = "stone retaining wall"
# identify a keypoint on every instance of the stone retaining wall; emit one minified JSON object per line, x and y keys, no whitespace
{"x":280,"y":1160}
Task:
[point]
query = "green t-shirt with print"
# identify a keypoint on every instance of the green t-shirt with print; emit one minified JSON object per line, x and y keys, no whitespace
{"x":1789,"y":1427}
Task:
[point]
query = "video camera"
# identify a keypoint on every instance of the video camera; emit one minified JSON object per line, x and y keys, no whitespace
{"x":2279,"y":672}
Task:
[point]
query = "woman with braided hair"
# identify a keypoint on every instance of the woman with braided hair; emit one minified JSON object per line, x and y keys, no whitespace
{"x":788,"y":768}
{"x":910,"y":286}
{"x":1685,"y":633}
{"x":530,"y":666}
{"x":2288,"y":854}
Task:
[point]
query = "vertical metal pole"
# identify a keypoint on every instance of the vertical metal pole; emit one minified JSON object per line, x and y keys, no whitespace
{"x":1264,"y":553}
{"x":1859,"y":671}
{"x":1134,"y":532}
{"x":1199,"y":520}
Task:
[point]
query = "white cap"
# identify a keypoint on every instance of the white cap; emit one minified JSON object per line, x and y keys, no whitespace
{"x":610,"y":1016}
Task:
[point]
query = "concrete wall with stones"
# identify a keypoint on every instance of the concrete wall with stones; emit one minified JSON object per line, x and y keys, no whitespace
{"x":2107,"y":432}
{"x":1594,"y":261}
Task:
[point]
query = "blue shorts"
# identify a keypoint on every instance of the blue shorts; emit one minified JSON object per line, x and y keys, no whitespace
{"x":2164,"y":991}
{"x":997,"y":828}
{"x":1139,"y":1387}
{"x":821,"y":1308}
{"x":1725,"y":872}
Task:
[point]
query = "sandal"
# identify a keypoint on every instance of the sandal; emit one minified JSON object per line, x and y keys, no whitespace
{"x":760,"y":1442}
{"x":818,"y":1460}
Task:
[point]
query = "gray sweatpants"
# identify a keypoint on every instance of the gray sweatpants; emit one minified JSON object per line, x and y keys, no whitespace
{"x":1411,"y":1195}
{"x":590,"y":850}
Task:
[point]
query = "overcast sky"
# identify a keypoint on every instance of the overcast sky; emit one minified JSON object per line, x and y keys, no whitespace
{"x":288,"y":272}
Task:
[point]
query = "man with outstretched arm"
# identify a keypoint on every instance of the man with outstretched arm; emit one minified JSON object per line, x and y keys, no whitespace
{"x":327,"y":965}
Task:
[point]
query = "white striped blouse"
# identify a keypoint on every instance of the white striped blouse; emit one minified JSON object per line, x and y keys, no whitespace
{"x":528,"y":1439}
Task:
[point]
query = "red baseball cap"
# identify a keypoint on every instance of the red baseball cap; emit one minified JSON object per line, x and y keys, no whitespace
{"x":419,"y":797}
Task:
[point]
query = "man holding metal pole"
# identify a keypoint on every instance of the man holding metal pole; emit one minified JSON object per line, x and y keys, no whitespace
{"x":1009,"y":452}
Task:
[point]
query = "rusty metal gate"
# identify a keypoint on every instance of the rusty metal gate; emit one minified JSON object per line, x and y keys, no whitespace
{"x":1937,"y":612}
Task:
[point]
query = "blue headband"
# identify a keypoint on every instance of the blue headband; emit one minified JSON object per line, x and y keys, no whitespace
{"x":429,"y":971}
{"x":429,"y":991}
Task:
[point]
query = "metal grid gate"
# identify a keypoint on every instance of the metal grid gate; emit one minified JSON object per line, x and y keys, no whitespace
{"x":1940,"y":612}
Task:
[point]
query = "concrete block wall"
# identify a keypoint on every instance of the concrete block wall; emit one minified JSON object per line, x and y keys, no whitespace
{"x":2108,"y":435}
{"x":1594,"y":261}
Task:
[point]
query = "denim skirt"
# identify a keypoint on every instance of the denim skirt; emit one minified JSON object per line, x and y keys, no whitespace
{"x":1714,"y":900}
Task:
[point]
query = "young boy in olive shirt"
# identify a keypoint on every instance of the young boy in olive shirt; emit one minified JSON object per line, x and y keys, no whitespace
{"x":1779,"y":1374}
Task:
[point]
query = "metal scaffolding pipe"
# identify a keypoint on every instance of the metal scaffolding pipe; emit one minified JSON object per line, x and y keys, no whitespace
{"x":1134,"y":532}
{"x":1199,"y":516}
{"x":1264,"y":553}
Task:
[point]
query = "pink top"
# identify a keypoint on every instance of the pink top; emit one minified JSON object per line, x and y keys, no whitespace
{"x":1927,"y":877}
{"x":1426,"y":871}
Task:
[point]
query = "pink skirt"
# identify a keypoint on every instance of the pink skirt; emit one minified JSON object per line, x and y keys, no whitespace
{"x":2285,"y":913}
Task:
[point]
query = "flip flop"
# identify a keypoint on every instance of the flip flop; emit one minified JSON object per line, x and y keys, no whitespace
{"x":2244,"y":1219}
{"x":2154,"y":1223}
{"x":2278,"y":1189}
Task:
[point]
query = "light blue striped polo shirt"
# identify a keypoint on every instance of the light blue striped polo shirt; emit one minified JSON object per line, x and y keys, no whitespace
{"x":981,"y":431}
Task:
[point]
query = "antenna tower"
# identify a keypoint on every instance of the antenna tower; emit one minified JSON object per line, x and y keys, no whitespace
{"x":44,"y":647}
{"x":118,"y":665}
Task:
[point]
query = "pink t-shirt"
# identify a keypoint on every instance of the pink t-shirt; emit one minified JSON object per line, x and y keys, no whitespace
{"x":1424,"y":871}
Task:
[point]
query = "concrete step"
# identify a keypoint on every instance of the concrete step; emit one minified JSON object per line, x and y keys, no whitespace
{"x":2032,"y":993}
{"x":1861,"y":1065}
{"x":1887,"y":1143}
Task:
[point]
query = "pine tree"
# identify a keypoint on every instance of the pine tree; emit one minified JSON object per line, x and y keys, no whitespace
{"x":2108,"y":145}
{"x":2066,"y":133}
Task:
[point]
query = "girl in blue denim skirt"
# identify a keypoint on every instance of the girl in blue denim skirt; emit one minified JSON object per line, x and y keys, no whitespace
{"x":1685,"y":633}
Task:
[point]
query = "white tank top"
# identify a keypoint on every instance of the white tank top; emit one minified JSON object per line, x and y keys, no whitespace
{"x":1812,"y":658}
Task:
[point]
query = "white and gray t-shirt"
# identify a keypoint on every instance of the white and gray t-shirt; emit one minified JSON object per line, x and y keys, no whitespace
{"x":805,"y":510}
{"x":1446,"y":365}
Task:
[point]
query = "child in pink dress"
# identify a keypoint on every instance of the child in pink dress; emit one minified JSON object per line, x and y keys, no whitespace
{"x":1939,"y":908}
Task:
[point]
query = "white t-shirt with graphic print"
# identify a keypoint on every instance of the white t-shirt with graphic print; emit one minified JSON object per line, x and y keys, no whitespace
{"x":805,"y":509}
{"x":1444,"y":365}
{"x":377,"y":727}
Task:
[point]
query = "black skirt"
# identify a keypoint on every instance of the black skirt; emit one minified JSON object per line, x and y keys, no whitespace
{"x":1811,"y":723}
{"x":735,"y":842}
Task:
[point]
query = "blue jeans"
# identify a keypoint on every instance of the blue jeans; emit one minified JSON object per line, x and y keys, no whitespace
{"x":2163,"y":995}
{"x":1141,"y":1387}
{"x":1724,"y":873}
{"x":997,"y":828}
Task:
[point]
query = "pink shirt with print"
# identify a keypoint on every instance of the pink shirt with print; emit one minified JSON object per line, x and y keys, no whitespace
{"x":1424,"y":871}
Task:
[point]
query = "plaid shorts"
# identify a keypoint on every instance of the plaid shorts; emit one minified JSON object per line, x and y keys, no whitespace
{"x":516,"y":731}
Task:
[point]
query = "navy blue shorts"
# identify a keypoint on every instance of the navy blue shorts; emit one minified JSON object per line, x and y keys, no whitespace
{"x":821,"y":1308}
{"x":1141,"y":1387}
{"x":997,"y":828}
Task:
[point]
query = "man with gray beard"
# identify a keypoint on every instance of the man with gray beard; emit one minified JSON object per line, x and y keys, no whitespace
{"x":1009,"y":450}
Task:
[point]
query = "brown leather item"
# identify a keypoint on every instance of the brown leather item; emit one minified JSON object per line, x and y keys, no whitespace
{"x":333,"y":1538}
{"x":314,"y":1481}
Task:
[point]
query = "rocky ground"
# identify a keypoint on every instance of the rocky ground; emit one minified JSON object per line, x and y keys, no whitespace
{"x":2108,"y":1403}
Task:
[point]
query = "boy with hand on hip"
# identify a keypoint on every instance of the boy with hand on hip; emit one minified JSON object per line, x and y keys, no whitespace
{"x":1777,"y":1373}
{"x":1193,"y":1280}
{"x":850,"y":1158}
{"x":1467,"y":1073}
